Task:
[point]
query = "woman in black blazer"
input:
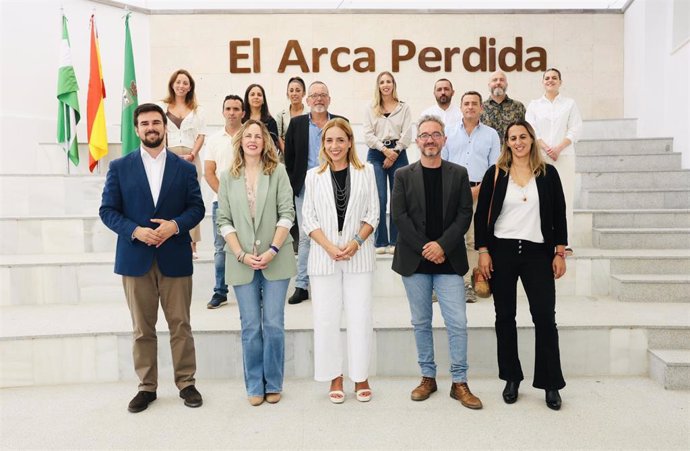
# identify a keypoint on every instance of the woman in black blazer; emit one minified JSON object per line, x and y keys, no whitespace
{"x":520,"y":231}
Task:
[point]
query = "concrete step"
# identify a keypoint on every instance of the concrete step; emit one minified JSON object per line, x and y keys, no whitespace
{"x":672,"y":287}
{"x":628,"y":146}
{"x":617,"y":199}
{"x":609,"y":128}
{"x":658,"y":179}
{"x":59,"y":344}
{"x":639,"y":238}
{"x":626,"y":163}
{"x":661,"y":218}
{"x":71,"y":234}
{"x":670,"y":368}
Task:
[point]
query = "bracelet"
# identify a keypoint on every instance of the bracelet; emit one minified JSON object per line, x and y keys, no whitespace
{"x":358,"y":239}
{"x":485,"y":251}
{"x":560,"y":254}
{"x":274,"y":248}
{"x":241,"y":256}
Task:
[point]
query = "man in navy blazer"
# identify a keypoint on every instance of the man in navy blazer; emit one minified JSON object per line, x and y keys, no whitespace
{"x":302,"y":145}
{"x":152,"y":199}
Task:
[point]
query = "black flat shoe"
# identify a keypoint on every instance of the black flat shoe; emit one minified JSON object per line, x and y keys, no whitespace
{"x":553,"y":399}
{"x":510,"y":393}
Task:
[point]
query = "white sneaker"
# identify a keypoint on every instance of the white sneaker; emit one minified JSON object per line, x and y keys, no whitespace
{"x":380,"y":250}
{"x":390,"y":250}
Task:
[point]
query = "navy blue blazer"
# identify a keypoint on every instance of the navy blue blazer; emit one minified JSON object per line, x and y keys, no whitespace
{"x":127,"y":203}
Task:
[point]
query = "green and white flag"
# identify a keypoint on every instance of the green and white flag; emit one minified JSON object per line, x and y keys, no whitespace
{"x":68,"y":102}
{"x":128,"y":136}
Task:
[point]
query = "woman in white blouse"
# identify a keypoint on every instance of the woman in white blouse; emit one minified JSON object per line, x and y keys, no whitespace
{"x":296,"y":90}
{"x":521,"y":232}
{"x":340,"y":212}
{"x":186,"y":127}
{"x":558,"y":125}
{"x":387,"y":133}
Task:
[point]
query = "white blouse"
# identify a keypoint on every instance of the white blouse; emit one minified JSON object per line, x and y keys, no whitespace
{"x":554,"y":121}
{"x":519,"y":218}
{"x":191,"y":127}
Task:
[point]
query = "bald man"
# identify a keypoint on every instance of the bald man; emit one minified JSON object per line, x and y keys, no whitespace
{"x":499,"y":109}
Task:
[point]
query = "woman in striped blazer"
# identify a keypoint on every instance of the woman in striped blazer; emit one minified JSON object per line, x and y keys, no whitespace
{"x":340,"y":212}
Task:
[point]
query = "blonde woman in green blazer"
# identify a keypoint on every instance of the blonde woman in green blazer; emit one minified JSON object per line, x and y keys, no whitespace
{"x":255,"y":214}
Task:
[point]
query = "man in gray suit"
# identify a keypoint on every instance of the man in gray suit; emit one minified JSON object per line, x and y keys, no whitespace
{"x":432,"y":206}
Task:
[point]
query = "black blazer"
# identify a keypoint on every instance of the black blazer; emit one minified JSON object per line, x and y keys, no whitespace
{"x":408,"y":210}
{"x":551,"y":208}
{"x":297,"y":150}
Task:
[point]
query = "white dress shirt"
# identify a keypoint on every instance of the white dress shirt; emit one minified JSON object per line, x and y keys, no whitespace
{"x":154,"y":167}
{"x":450,"y":117}
{"x":554,"y":121}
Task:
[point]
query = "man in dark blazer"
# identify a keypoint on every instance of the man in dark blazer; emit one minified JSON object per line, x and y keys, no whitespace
{"x":152,"y":199}
{"x":432,"y":206}
{"x":302,"y":144}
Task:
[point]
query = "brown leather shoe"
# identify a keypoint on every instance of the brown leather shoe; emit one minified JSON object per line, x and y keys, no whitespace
{"x":461,"y":392}
{"x":424,"y":389}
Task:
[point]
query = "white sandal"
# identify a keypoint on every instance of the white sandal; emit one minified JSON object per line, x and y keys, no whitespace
{"x":362,"y":395}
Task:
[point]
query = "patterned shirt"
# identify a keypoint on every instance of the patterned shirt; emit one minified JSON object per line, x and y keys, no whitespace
{"x":499,"y":115}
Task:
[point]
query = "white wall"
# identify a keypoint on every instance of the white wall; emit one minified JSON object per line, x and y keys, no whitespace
{"x":31,"y":34}
{"x":657,"y":76}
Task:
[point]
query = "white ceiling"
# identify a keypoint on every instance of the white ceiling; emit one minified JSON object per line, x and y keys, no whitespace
{"x":302,"y":5}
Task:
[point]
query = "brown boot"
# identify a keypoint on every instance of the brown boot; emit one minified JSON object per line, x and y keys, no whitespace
{"x":461,"y":392}
{"x":424,"y":389}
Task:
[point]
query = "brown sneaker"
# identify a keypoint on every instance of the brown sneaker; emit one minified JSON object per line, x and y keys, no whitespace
{"x":461,"y":392}
{"x":424,"y":389}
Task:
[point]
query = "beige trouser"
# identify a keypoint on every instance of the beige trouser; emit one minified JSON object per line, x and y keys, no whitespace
{"x":565,"y":165}
{"x":472,"y":256}
{"x":194,"y":233}
{"x":175,"y":294}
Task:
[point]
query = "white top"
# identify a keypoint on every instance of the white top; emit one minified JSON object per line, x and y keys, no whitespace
{"x":319,"y":212}
{"x":398,"y":125}
{"x":191,"y":127}
{"x":219,"y":150}
{"x":554,"y":121}
{"x":154,"y":168}
{"x":519,"y":218}
{"x":450,"y":117}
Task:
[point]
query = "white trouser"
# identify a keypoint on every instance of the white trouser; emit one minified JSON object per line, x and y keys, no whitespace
{"x":566,"y":171}
{"x":329,"y":294}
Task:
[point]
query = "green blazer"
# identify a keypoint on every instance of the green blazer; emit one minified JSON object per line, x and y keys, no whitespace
{"x":273,"y":204}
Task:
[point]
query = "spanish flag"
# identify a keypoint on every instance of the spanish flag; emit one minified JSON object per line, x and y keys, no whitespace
{"x":95,"y":108}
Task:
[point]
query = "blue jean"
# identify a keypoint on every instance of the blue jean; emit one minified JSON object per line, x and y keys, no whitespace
{"x":262,"y":314}
{"x":450,"y":291}
{"x":302,"y":279}
{"x":221,"y":287}
{"x":376,"y":158}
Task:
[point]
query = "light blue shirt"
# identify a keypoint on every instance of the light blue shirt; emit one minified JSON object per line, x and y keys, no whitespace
{"x":314,"y":143}
{"x":476,"y":152}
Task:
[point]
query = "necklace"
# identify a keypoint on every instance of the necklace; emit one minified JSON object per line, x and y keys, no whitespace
{"x":523,"y":189}
{"x":341,"y":193}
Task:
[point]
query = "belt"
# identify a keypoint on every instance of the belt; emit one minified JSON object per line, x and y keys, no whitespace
{"x":390,"y":143}
{"x":473,"y":184}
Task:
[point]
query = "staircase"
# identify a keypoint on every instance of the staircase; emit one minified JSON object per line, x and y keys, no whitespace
{"x":635,"y":198}
{"x":623,"y":306}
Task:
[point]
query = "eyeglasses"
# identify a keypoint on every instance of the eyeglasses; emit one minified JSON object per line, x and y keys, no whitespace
{"x":318,"y":96}
{"x":434,"y":135}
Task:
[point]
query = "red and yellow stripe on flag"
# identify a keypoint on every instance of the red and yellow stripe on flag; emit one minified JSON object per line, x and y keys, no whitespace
{"x":95,"y":108}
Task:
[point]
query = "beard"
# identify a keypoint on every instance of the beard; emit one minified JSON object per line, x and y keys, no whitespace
{"x":444,"y":99}
{"x":431,"y":151}
{"x":152,"y":140}
{"x":498,"y":92}
{"x":319,"y":108}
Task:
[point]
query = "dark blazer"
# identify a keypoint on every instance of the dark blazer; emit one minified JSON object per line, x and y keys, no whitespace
{"x":408,"y":210}
{"x":551,"y":208}
{"x":297,"y":150}
{"x":127,"y":203}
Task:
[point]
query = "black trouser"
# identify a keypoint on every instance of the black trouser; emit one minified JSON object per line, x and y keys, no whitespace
{"x":531,"y":262}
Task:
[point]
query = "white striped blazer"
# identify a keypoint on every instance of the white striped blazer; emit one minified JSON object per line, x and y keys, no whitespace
{"x":318,"y":212}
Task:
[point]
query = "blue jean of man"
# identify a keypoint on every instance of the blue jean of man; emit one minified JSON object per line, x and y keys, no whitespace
{"x":376,"y":158}
{"x":262,"y":314}
{"x":450,"y":290}
{"x":221,"y":287}
{"x":302,"y":279}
